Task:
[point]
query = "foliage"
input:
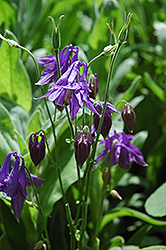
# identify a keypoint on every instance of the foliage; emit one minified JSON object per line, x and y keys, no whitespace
{"x":138,"y":77}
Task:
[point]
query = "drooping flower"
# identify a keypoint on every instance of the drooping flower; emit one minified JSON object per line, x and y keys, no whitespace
{"x":121,"y":151}
{"x":128,"y":116}
{"x":13,"y":181}
{"x":107,"y":120}
{"x":71,"y":89}
{"x":82,"y":145}
{"x":50,"y":74}
{"x":93,"y":86}
{"x":36,"y":148}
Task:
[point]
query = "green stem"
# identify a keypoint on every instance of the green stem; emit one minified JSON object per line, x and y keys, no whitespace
{"x":97,"y":57}
{"x":40,"y":210}
{"x":105,"y":98}
{"x":84,"y":206}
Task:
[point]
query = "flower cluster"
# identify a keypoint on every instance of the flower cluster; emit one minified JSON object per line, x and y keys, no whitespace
{"x":13,"y":181}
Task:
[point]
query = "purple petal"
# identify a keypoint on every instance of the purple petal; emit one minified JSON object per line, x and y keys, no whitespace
{"x":22,"y":179}
{"x":36,"y":180}
{"x":17,"y":204}
{"x":12,"y":182}
{"x":4,"y":170}
{"x":46,"y":60}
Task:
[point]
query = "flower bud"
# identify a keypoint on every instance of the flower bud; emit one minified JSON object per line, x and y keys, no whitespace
{"x":82,"y":145}
{"x":93,"y":86}
{"x":107,"y":120}
{"x":115,"y":194}
{"x":36,"y":148}
{"x":128,"y":116}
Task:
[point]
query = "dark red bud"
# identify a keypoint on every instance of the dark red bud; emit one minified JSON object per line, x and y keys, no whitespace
{"x":107,"y":121}
{"x":93,"y":86}
{"x":82,"y":145}
{"x":36,"y":147}
{"x":128,"y":116}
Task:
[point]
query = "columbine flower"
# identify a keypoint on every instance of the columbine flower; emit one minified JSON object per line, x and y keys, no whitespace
{"x":121,"y":151}
{"x":107,"y":121}
{"x":13,"y":181}
{"x":128,"y":116}
{"x":50,"y":74}
{"x":36,"y":148}
{"x":71,"y":89}
{"x":93,"y":86}
{"x":82,"y":145}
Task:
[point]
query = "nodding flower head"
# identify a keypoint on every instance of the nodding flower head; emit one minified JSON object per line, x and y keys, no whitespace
{"x":107,"y":120}
{"x":36,"y":147}
{"x":13,"y":181}
{"x":93,"y":86}
{"x":119,"y":149}
{"x":128,"y":116}
{"x":82,"y":145}
{"x":67,"y":56}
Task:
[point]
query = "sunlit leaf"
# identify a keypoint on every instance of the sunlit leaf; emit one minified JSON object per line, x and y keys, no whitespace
{"x":14,"y":80}
{"x":155,"y":205}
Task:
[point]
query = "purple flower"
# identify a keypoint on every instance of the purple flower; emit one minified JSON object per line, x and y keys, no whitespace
{"x":107,"y":120}
{"x":13,"y":181}
{"x":128,"y":116}
{"x":121,"y":151}
{"x":50,"y":74}
{"x":71,"y":89}
{"x":82,"y":145}
{"x":36,"y":148}
{"x":93,"y":86}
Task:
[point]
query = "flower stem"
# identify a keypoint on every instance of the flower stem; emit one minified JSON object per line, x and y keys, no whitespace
{"x":109,"y":78}
{"x":40,"y":210}
{"x":96,"y":57}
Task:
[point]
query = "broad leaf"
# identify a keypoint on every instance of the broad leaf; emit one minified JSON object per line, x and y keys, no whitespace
{"x":155,"y":205}
{"x":14,"y":80}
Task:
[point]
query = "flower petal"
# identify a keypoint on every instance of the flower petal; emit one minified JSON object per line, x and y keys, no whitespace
{"x":36,"y":180}
{"x":17,"y":204}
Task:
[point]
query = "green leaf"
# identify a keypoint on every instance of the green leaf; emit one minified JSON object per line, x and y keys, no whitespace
{"x":154,"y":248}
{"x":7,"y":13}
{"x":121,"y":212}
{"x":155,"y":205}
{"x":4,"y":243}
{"x":15,"y":231}
{"x":14,"y":80}
{"x":7,"y":136}
{"x":156,"y":89}
{"x":137,"y":238}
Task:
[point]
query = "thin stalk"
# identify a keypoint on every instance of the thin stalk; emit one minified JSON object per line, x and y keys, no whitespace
{"x":40,"y":210}
{"x":97,"y":57}
{"x":105,"y":98}
{"x":84,"y":206}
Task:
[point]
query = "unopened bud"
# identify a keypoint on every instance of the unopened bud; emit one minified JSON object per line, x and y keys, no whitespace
{"x":82,"y":145}
{"x":128,"y":116}
{"x":107,"y":120}
{"x":36,"y":148}
{"x":115,"y":194}
{"x":93,"y":86}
